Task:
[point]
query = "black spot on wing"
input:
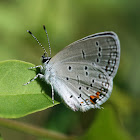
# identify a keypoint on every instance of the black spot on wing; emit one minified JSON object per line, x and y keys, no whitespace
{"x":83,"y":54}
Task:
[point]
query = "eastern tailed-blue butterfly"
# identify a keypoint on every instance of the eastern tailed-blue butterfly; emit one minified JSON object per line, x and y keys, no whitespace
{"x":83,"y":72}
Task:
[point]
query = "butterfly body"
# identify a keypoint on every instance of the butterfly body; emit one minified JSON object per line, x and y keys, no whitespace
{"x":82,"y":73}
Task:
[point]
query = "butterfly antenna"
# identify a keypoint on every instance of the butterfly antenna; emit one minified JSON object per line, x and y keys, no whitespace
{"x":47,"y":38}
{"x":45,"y":52}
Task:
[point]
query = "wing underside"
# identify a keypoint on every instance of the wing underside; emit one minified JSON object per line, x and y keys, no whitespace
{"x":102,"y":49}
{"x":85,"y":69}
{"x":84,"y":86}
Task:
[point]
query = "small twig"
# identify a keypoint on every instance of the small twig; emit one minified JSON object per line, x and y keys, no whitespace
{"x":33,"y":130}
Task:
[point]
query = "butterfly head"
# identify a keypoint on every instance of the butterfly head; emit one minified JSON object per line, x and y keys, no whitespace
{"x":45,"y":59}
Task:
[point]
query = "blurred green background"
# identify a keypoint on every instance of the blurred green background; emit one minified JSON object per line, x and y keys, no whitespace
{"x":67,"y":21}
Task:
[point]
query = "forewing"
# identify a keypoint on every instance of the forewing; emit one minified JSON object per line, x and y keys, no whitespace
{"x":102,"y":49}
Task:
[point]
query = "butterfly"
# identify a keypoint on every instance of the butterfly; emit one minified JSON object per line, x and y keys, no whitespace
{"x":82,"y":73}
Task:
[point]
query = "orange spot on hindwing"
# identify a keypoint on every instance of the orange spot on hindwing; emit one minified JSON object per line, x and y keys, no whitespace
{"x":97,"y":94}
{"x":93,"y":98}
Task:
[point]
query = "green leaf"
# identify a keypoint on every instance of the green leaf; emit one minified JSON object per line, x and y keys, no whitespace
{"x":17,"y":100}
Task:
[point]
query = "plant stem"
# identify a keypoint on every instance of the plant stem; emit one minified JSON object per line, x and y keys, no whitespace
{"x":33,"y":130}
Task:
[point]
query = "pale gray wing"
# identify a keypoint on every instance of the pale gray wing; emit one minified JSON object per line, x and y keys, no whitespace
{"x":102,"y":49}
{"x":84,"y":70}
{"x":82,"y":86}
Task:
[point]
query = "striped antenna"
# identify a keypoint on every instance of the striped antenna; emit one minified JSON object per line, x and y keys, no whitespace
{"x":47,"y":38}
{"x":45,"y":52}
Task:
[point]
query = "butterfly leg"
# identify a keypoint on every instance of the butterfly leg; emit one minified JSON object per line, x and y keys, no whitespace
{"x":41,"y":76}
{"x":39,"y":66}
{"x":52,"y":93}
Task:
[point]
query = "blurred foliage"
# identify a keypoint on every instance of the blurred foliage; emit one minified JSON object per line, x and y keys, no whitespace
{"x":67,"y":21}
{"x":1,"y":138}
{"x":103,"y":127}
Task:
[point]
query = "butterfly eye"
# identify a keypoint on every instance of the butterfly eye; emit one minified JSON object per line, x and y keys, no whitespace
{"x":45,"y":59}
